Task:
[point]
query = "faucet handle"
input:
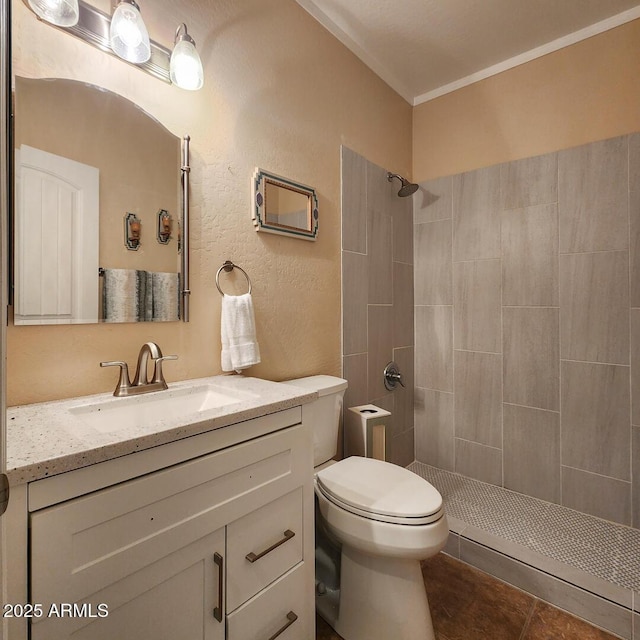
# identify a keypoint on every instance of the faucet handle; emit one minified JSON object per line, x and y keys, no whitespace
{"x":123,"y":382}
{"x":392,"y":376}
{"x":157,"y":374}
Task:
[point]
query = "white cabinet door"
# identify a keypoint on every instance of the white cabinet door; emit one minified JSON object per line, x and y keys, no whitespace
{"x":146,"y":547}
{"x":163,"y":601}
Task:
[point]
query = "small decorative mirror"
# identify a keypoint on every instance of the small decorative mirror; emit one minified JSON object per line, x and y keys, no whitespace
{"x":284,"y":207}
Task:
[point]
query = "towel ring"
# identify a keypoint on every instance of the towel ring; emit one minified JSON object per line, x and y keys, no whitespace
{"x":229,"y":266}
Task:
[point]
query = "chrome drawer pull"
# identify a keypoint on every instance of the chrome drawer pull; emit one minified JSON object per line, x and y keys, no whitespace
{"x":252,"y":557}
{"x":291,"y":618}
{"x":217,"y":612}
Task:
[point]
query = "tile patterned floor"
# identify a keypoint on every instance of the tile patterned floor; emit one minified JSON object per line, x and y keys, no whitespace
{"x":603,"y":549}
{"x":467,"y":604}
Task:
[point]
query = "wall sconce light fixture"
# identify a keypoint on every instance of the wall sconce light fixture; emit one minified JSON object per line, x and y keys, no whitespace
{"x":132,"y":231}
{"x":185,"y":67}
{"x":165,"y":224}
{"x":128,"y":34}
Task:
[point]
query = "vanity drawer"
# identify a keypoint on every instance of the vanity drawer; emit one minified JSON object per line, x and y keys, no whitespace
{"x":279,"y":608}
{"x":262,"y":546}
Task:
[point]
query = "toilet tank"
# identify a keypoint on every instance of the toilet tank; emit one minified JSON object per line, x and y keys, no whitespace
{"x":325,"y":413}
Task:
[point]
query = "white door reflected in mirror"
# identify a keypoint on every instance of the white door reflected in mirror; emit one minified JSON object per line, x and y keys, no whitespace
{"x":56,"y":239}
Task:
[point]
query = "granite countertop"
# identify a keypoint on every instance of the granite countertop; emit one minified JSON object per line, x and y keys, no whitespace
{"x":48,"y":438}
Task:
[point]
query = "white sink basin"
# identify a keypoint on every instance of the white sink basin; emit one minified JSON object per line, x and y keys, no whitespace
{"x":118,"y":414}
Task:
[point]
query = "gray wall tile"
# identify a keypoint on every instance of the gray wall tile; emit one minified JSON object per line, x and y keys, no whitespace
{"x":594,"y":304}
{"x":592,"y":196}
{"x":452,"y":547}
{"x":380,"y":192}
{"x":634,"y":249}
{"x":477,"y":305}
{"x":402,"y":304}
{"x":380,"y":257}
{"x":378,"y":295}
{"x":600,"y":496}
{"x":595,"y":418}
{"x":634,"y":162}
{"x":355,"y":291}
{"x":400,"y":449}
{"x":531,"y":364}
{"x":532,"y":452}
{"x":354,"y":370}
{"x":635,"y":489}
{"x":529,"y":182}
{"x":434,"y":428}
{"x":476,"y":214}
{"x":478,"y":397}
{"x":380,"y":346}
{"x":433,"y":200}
{"x":635,"y":366}
{"x":354,"y":201}
{"x":434,"y":347}
{"x":403,"y":396}
{"x":478,"y":461}
{"x":530,"y":256}
{"x":402,"y":215}
{"x":432,"y":261}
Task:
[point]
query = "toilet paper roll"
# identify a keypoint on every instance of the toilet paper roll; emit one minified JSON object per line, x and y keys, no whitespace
{"x":365,"y":431}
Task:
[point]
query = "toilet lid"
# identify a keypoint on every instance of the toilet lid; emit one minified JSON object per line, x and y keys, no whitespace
{"x":380,"y":488}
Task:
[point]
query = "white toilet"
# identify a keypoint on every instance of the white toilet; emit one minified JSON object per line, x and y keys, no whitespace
{"x":385,"y":520}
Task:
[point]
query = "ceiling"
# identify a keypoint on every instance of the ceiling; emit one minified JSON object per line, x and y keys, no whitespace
{"x":426,"y":48}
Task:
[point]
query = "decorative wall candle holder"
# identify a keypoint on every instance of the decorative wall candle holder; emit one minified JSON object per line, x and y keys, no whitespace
{"x":165,"y":226}
{"x":132,"y":231}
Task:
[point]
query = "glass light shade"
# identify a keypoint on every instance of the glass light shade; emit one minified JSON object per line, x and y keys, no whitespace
{"x":63,"y":13}
{"x":128,"y":34}
{"x":185,"y":67}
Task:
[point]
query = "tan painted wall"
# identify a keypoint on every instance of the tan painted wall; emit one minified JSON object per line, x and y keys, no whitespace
{"x":583,"y":93}
{"x":280,"y":93}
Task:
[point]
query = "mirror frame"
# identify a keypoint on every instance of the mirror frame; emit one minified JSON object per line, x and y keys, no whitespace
{"x":259,"y":182}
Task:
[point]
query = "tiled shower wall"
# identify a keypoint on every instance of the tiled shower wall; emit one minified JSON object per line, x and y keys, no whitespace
{"x":377,"y":296}
{"x":527,"y":325}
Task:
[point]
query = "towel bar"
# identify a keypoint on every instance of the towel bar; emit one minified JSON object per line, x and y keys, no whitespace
{"x":229,"y":266}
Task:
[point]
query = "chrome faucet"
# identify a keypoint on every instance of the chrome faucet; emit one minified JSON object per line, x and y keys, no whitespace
{"x":141,"y":383}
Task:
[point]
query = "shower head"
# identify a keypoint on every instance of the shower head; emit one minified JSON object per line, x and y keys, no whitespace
{"x":407,"y":188}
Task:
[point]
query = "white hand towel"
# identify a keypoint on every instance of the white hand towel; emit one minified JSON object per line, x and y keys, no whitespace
{"x":238,"y":332}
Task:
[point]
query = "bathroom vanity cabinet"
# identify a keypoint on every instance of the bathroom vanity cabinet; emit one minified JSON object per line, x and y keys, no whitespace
{"x":207,"y":537}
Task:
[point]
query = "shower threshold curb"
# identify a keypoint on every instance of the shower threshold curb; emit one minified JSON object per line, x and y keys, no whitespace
{"x":506,"y":534}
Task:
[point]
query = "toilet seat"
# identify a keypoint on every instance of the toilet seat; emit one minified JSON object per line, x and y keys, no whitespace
{"x":380,"y":491}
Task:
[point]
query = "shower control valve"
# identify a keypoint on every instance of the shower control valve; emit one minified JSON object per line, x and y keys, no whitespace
{"x":392,"y":376}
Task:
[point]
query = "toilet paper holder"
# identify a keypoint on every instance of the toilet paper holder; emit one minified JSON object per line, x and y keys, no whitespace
{"x":366,"y":431}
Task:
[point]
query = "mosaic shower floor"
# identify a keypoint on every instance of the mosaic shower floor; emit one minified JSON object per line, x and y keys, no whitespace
{"x":603,"y":549}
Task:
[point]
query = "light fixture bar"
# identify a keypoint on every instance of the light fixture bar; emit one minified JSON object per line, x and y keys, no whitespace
{"x":93,"y":27}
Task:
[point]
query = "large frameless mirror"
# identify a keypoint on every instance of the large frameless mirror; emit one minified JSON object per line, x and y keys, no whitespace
{"x":97,"y":208}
